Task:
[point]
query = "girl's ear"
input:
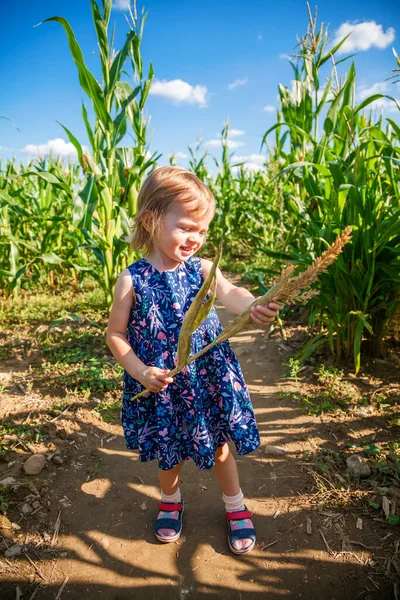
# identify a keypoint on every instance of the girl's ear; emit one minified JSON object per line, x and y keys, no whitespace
{"x":148,"y":221}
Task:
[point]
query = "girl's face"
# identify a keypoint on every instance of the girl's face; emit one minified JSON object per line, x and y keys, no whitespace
{"x":182,"y":233}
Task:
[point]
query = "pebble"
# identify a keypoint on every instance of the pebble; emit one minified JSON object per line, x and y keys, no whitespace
{"x":15,"y":526}
{"x":274,"y":450}
{"x":358,"y":465}
{"x":363,"y":412}
{"x":63,"y":554}
{"x":240,"y":351}
{"x":26,"y":509}
{"x":386,"y":507}
{"x":16,"y":550}
{"x":34,"y":464}
{"x":105,"y":543}
{"x":36,"y":504}
{"x":57,"y":460}
{"x":8,"y":481}
{"x":365,"y":380}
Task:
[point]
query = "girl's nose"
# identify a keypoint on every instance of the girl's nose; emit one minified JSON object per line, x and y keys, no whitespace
{"x":193,"y":238}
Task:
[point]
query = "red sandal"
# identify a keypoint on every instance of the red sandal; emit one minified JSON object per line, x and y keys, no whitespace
{"x":168,"y":523}
{"x":242,"y":533}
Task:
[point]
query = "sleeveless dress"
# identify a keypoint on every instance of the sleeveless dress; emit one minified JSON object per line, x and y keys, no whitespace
{"x":208,"y":403}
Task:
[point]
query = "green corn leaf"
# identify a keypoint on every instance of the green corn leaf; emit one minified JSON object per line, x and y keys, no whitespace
{"x":51,"y":258}
{"x":118,"y":62}
{"x":88,"y":127}
{"x":371,"y":99}
{"x":146,"y":88}
{"x":331,"y":52}
{"x":73,"y":141}
{"x":101,"y":30}
{"x":86,"y":78}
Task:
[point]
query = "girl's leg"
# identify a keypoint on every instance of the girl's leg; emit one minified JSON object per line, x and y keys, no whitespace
{"x":169,"y":484}
{"x":228,"y":477}
{"x":169,"y":480}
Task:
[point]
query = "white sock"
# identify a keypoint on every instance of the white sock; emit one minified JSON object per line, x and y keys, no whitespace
{"x":172,"y":498}
{"x":234,"y":503}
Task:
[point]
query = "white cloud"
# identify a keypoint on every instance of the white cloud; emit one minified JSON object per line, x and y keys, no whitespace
{"x":269,"y":108}
{"x":251,"y":162}
{"x":363,"y":36}
{"x":121,"y":4}
{"x":236,"y":132}
{"x":217,"y":143}
{"x":237,"y":83}
{"x":380,"y":87}
{"x":283,"y":56}
{"x":56,"y":147}
{"x":179,"y":154}
{"x":180,"y":92}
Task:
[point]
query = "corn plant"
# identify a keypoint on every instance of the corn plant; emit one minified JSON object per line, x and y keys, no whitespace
{"x":37,"y":238}
{"x":112,"y":174}
{"x":348,"y":176}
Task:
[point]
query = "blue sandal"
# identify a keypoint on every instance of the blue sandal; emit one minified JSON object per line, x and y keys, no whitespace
{"x":167,"y":523}
{"x":240,"y":534}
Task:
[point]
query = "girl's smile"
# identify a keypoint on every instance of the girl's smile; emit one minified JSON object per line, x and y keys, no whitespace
{"x":181,"y":235}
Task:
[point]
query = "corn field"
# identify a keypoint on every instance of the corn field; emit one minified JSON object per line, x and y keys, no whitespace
{"x":330,"y":163}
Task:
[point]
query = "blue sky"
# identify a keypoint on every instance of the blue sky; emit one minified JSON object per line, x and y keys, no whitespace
{"x":198,"y":50}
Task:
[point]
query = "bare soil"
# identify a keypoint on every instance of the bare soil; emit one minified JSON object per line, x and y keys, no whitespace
{"x":91,"y":534}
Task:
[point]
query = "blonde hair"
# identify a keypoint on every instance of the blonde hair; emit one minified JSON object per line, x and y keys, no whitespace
{"x":162,"y":188}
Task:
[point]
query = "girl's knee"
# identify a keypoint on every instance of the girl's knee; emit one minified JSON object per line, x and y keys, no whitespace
{"x":222,"y":453}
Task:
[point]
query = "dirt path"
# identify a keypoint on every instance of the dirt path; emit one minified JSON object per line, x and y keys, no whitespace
{"x":106,"y":500}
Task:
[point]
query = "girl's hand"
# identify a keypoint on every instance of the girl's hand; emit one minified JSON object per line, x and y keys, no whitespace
{"x":155,"y":379}
{"x":264,"y":315}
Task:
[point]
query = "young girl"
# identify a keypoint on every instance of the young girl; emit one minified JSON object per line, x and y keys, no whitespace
{"x":194,"y":414}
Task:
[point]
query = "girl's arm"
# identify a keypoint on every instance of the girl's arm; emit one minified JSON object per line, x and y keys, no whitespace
{"x":237,"y":299}
{"x":152,"y":378}
{"x":117,"y":325}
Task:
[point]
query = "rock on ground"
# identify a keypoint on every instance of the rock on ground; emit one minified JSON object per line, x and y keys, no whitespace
{"x":274,"y":450}
{"x":34,"y":464}
{"x":358,"y":465}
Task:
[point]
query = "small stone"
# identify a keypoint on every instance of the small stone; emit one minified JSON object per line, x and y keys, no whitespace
{"x":262,"y":347}
{"x":81,"y":434}
{"x":358,"y":465}
{"x":386,"y":507}
{"x":240,"y":351}
{"x":8,"y":481}
{"x":57,"y":460}
{"x":36,"y":504}
{"x":308,"y":526}
{"x":96,"y":400}
{"x":105,"y":543}
{"x":34,"y":464}
{"x":365,"y":380}
{"x":15,"y":526}
{"x":26,"y":508}
{"x":274,"y":450}
{"x":16,"y":550}
{"x":63,"y":554}
{"x":143,"y":506}
{"x":363,"y":412}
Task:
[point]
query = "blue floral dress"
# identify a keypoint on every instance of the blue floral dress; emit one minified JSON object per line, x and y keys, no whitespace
{"x":208,"y":403}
